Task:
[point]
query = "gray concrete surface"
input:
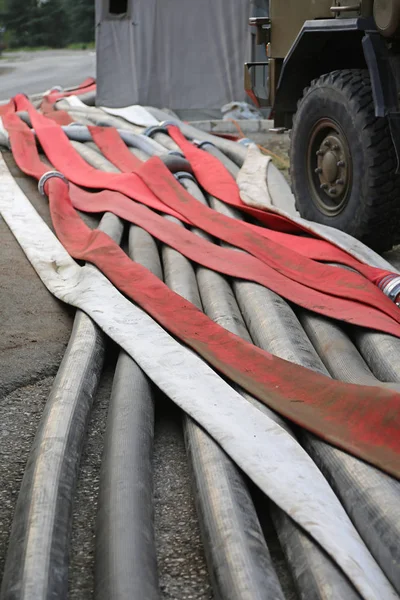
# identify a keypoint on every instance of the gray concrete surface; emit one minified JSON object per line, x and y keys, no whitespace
{"x":34,"y":326}
{"x":34,"y":72}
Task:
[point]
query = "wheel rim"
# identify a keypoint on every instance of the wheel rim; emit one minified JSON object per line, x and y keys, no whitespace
{"x":329,"y":167}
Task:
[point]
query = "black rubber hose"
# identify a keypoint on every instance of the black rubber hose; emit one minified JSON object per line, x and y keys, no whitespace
{"x":37,"y":560}
{"x":274,"y":327}
{"x":165,"y":140}
{"x":335,"y":349}
{"x":88,"y":98}
{"x":360,"y":487}
{"x":236,"y":152}
{"x":126,"y":560}
{"x":227,"y":162}
{"x":380,"y":351}
{"x":316,"y":576}
{"x":176,"y":164}
{"x":126,"y":557}
{"x":382,"y":510}
{"x":239,"y":562}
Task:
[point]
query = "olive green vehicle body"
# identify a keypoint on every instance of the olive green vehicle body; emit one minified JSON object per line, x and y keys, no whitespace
{"x":330,"y":73}
{"x":305,"y":39}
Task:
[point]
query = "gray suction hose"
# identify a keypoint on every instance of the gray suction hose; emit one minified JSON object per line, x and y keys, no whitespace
{"x":37,"y":560}
{"x":94,"y":157}
{"x":227,"y":162}
{"x":307,"y":561}
{"x":237,"y":552}
{"x":337,"y":351}
{"x":380,"y":351}
{"x":96,"y":116}
{"x":239,"y":562}
{"x":274,"y":327}
{"x":88,"y":98}
{"x":126,"y":560}
{"x":234,"y":151}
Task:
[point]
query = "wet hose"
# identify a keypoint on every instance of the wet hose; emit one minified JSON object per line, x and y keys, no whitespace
{"x":37,"y":559}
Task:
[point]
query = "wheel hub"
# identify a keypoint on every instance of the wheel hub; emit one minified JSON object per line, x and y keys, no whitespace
{"x":332,"y":169}
{"x":329,"y":167}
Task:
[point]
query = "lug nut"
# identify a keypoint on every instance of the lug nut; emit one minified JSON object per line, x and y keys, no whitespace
{"x":327,"y":143}
{"x":318,"y":170}
{"x":341,"y":163}
{"x":324,"y":186}
{"x":339,"y":182}
{"x":319,"y":153}
{"x":332,"y":191}
{"x":336,"y":147}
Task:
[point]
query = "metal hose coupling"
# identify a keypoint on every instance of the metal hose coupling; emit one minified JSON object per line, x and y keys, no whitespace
{"x":161,"y":128}
{"x":184,"y":175}
{"x":201,"y":145}
{"x":45,"y":178}
{"x":390,"y":286}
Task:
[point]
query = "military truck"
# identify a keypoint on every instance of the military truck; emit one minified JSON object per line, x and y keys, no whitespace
{"x":331,"y":75}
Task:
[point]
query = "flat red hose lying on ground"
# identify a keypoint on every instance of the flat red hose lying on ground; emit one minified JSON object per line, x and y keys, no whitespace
{"x":85,"y":86}
{"x":89,"y":85}
{"x":59,"y":116}
{"x":362,"y":420}
{"x":217,"y":181}
{"x":115,"y":150}
{"x":308,"y":283}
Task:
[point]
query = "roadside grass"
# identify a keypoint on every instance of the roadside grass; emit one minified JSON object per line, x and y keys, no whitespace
{"x":79,"y":46}
{"x":75,"y":46}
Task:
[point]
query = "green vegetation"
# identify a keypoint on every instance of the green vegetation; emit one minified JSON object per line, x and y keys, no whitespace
{"x":40,"y":24}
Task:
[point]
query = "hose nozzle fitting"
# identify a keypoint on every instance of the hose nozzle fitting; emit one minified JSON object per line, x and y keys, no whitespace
{"x":44,"y":179}
{"x":390,"y":286}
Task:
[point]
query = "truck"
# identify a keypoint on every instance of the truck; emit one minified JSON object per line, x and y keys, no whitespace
{"x":331,"y":75}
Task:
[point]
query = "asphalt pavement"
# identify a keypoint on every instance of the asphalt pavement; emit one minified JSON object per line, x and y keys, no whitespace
{"x":34,"y":72}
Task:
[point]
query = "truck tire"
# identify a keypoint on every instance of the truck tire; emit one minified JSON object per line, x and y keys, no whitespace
{"x":343,"y":161}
